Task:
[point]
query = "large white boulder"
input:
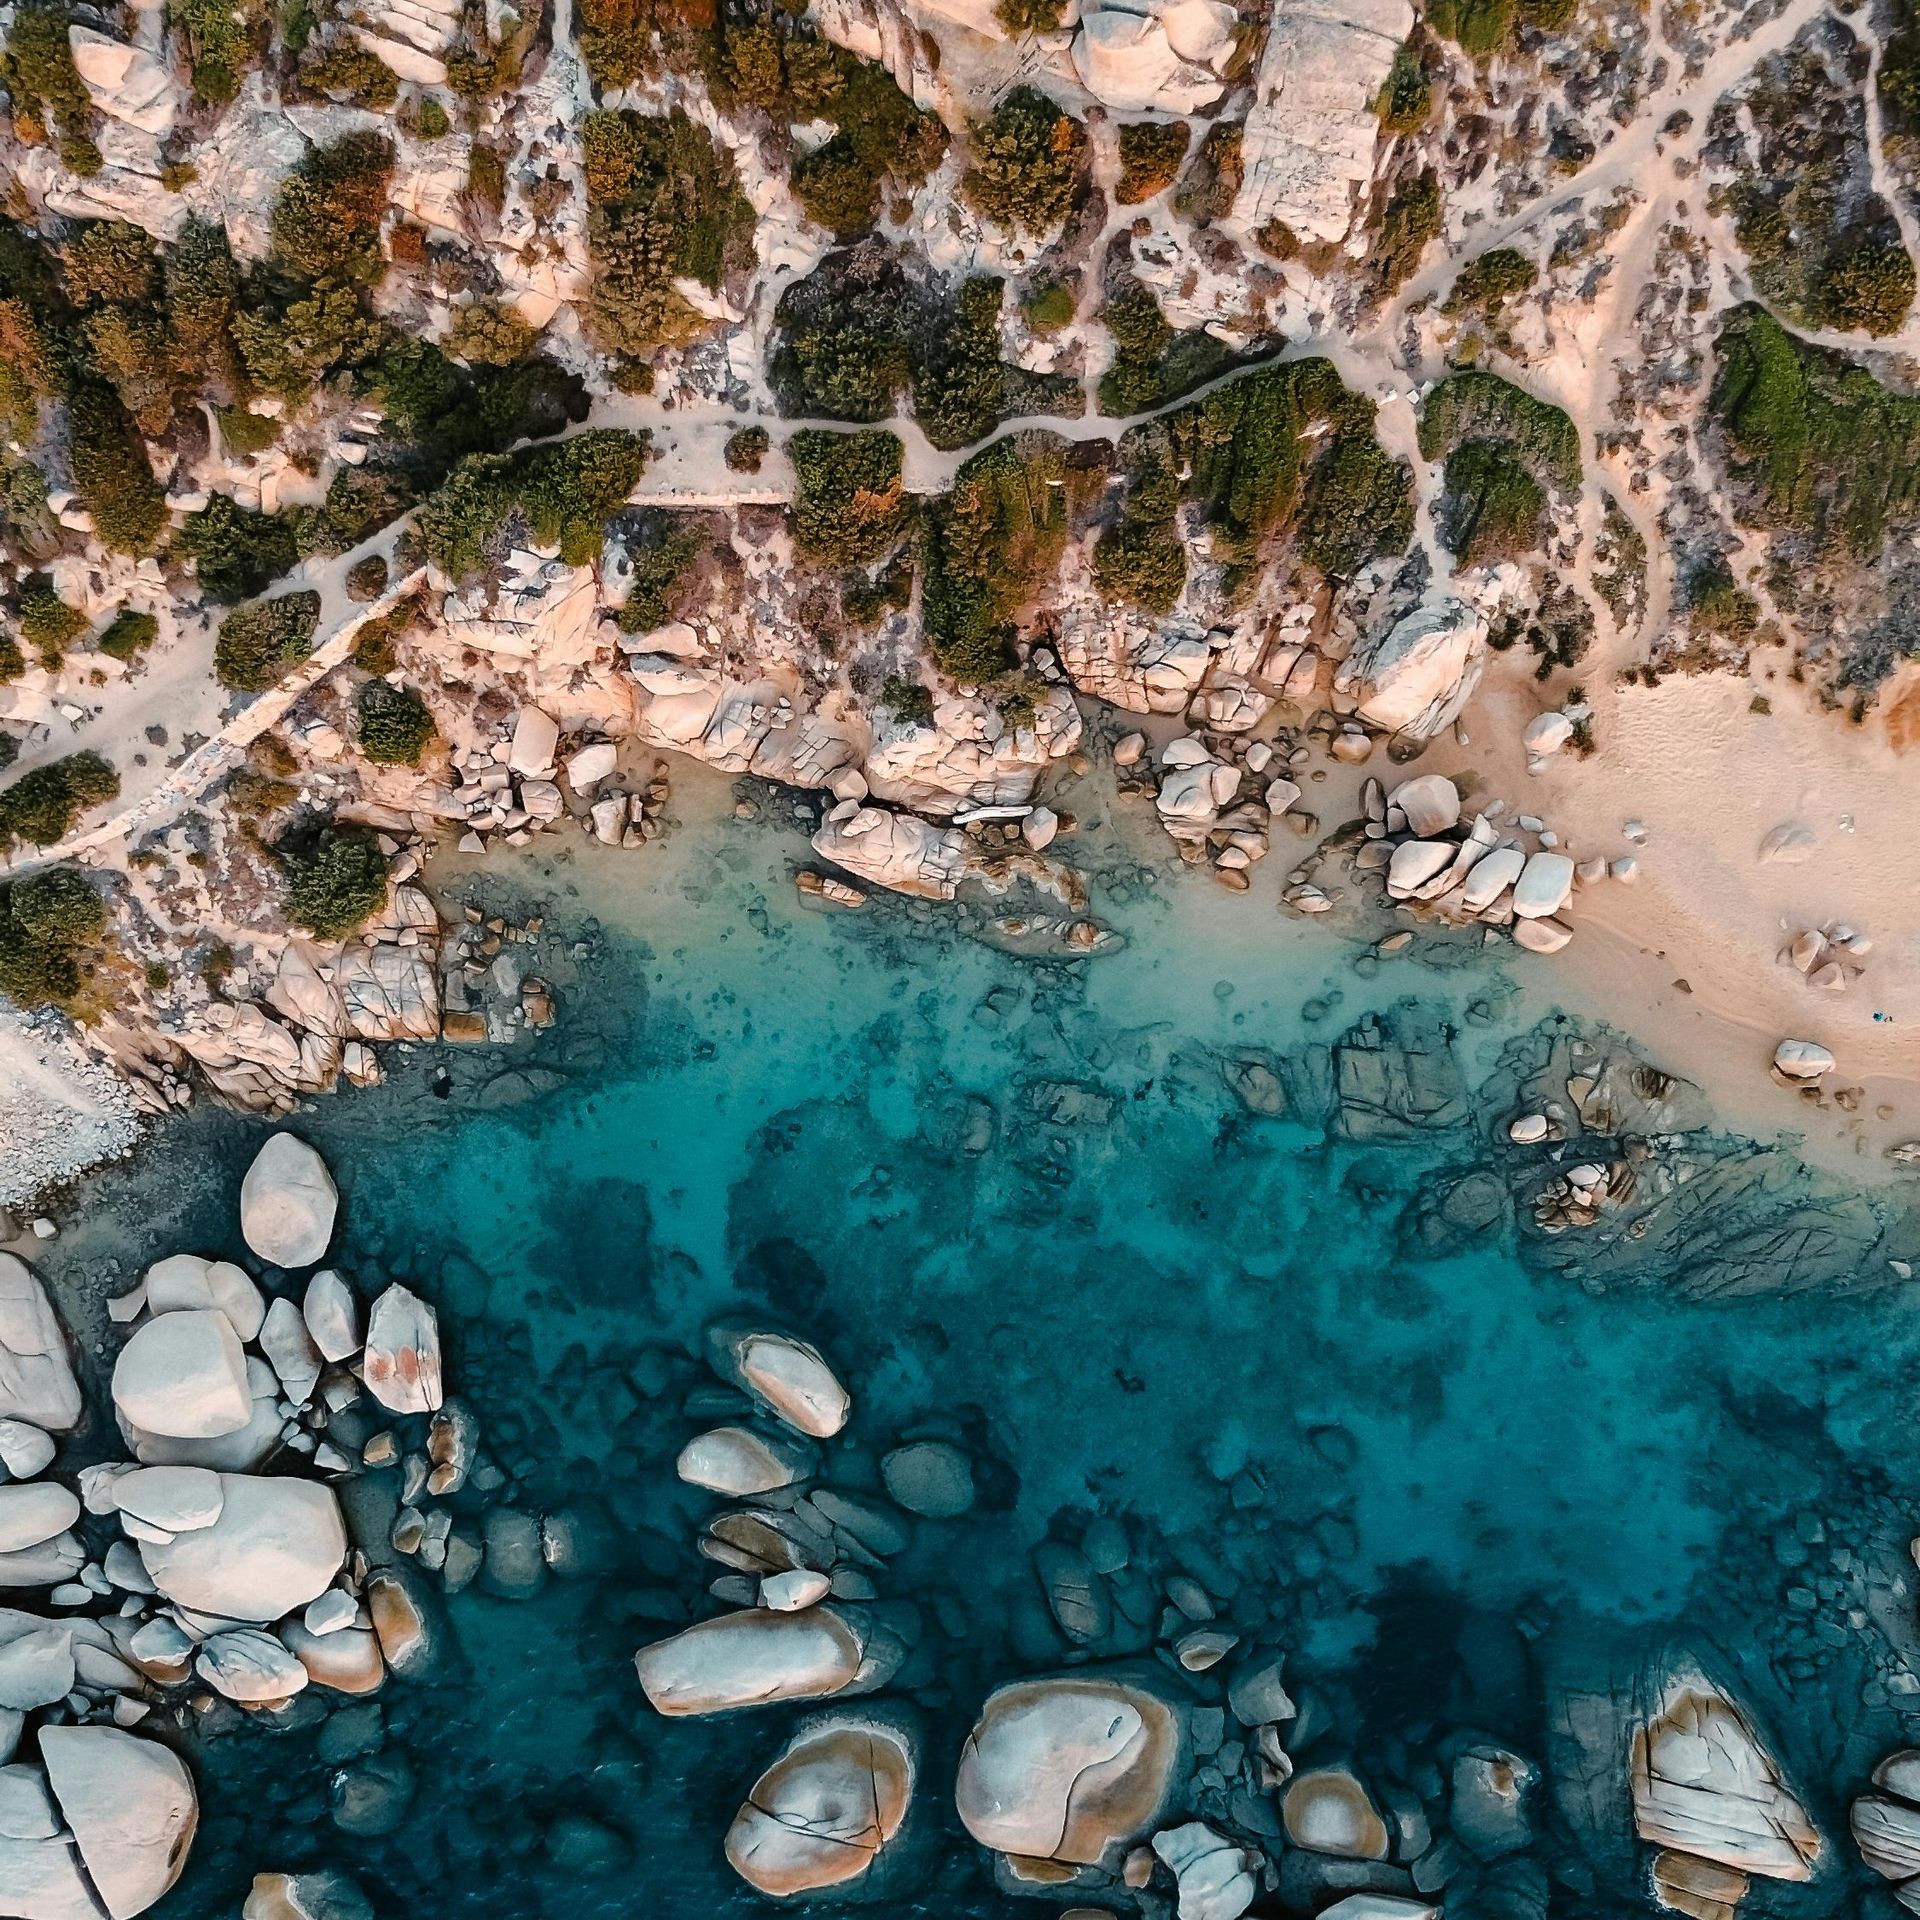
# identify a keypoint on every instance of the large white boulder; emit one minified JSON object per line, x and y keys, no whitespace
{"x":1067,"y":1769}
{"x":126,"y":83}
{"x":1544,"y":885}
{"x":184,"y":1376}
{"x":36,"y":1668}
{"x":277,"y":1544}
{"x":898,"y":851}
{"x":34,"y":1513}
{"x":1431,"y":803}
{"x":787,"y":1376}
{"x":1416,"y":678}
{"x":756,"y":1657}
{"x":1126,"y":60}
{"x":36,"y":1376}
{"x":401,"y":1364}
{"x":1703,"y":1784}
{"x":184,"y":1282}
{"x":288,"y":1202}
{"x":131,"y":1806}
{"x":174,"y":1499}
{"x":824,"y":1812}
{"x":332,"y":1314}
{"x":1328,"y":1810}
{"x":535,"y":736}
{"x":249,"y":1667}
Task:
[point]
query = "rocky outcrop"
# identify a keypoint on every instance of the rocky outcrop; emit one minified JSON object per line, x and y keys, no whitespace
{"x":288,"y":1202}
{"x":1417,"y":676}
{"x":1312,"y":132}
{"x":1215,"y":1876}
{"x":1886,"y":1823}
{"x":183,"y":1376}
{"x":1068,"y":1770}
{"x":1704,"y":1785}
{"x":1167,"y":56}
{"x":827,"y":1811}
{"x":739,"y":1461}
{"x":756,"y":1658}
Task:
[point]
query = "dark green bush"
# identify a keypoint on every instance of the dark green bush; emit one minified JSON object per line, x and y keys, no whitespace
{"x":111,"y":472}
{"x":47,"y":624}
{"x":128,"y":633}
{"x":1476,"y":405}
{"x":41,"y":807}
{"x":237,"y":553}
{"x":1152,"y":364}
{"x":257,"y":643}
{"x":1478,"y":27}
{"x":1492,"y":507}
{"x":1868,"y":289}
{"x":1411,"y":220}
{"x":908,"y":701}
{"x":58,"y":907}
{"x":746,"y":448}
{"x":335,"y":878}
{"x":1485,"y":283}
{"x":395,"y":725}
{"x":1141,"y":562}
{"x":326,"y":223}
{"x":218,"y":41}
{"x":1048,"y":305}
{"x":1406,"y":99}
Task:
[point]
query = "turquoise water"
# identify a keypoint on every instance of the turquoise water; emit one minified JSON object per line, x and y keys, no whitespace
{"x":1020,"y":1207}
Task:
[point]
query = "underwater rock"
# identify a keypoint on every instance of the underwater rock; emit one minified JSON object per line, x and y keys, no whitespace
{"x":1328,"y":1811}
{"x":277,"y":1544}
{"x":401,"y":1365}
{"x":1068,"y":1769}
{"x":827,"y":1809}
{"x":514,"y":1567}
{"x":787,"y":1376}
{"x":131,"y":1806}
{"x":371,"y":1797}
{"x":323,"y":1894}
{"x":290,"y":1351}
{"x":1215,"y":1876}
{"x":1255,"y":1695}
{"x":755,"y":1657}
{"x":1704,"y":1785}
{"x":1487,"y":1808}
{"x":36,"y":1377}
{"x":739,"y":1461}
{"x":1397,"y":1077}
{"x":1076,"y":1595}
{"x":288,"y":1203}
{"x":183,"y":1376}
{"x":930,"y":1478}
{"x":1701,"y":1889}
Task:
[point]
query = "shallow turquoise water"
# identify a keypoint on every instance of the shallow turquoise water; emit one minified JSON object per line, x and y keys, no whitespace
{"x":1444,"y":1484}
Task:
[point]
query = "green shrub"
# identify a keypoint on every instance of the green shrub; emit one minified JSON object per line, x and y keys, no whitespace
{"x":237,"y":553}
{"x":335,"y":878}
{"x":58,"y":907}
{"x":1048,"y":305}
{"x":664,"y":552}
{"x":47,"y":624}
{"x":1411,"y":220}
{"x":129,"y":633}
{"x":1717,"y":604}
{"x":367,"y":579}
{"x":1029,"y":158}
{"x":908,"y":701}
{"x":41,"y":807}
{"x":491,"y":334}
{"x":843,"y":346}
{"x":851,"y":506}
{"x":746,"y":448}
{"x":345,"y":69}
{"x":1030,"y":16}
{"x":564,"y":493}
{"x":1478,"y":27}
{"x":218,"y":40}
{"x":39,"y":73}
{"x":243,"y":432}
{"x":430,"y":120}
{"x":957,"y":383}
{"x":110,"y":260}
{"x":1486,"y":283}
{"x":257,"y":643}
{"x":1141,"y":562}
{"x":1150,"y":155}
{"x":1476,"y":405}
{"x":1867,"y":290}
{"x":1492,"y":507}
{"x":988,"y":547}
{"x":111,"y":472}
{"x":1406,"y":99}
{"x":395,"y":725}
{"x":1152,"y":364}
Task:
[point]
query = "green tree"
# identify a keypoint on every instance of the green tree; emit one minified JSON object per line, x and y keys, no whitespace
{"x":491,"y":334}
{"x":111,"y":472}
{"x":47,"y":624}
{"x":851,"y":507}
{"x":326,"y":222}
{"x":41,"y":806}
{"x":335,"y":878}
{"x":236,"y":552}
{"x":1150,"y":155}
{"x":1029,"y":159}
{"x":257,"y":643}
{"x":110,"y":260}
{"x":395,"y":725}
{"x":58,"y":907}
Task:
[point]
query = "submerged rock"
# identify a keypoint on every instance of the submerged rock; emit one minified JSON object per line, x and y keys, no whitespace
{"x":1068,"y":1769}
{"x":824,"y":1814}
{"x":756,"y":1657}
{"x":786,"y":1375}
{"x":740,"y":1461}
{"x":288,"y":1203}
{"x":324,"y":1894}
{"x":930,"y":1478}
{"x":1328,"y":1811}
{"x":1215,"y":1876}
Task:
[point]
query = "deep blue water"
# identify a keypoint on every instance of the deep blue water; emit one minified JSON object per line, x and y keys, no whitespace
{"x":1451,"y":1486}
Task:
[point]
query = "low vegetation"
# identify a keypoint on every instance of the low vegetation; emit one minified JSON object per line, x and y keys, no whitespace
{"x":851,"y":507}
{"x":41,"y":807}
{"x":1477,"y":405}
{"x":1029,"y":162}
{"x":393,"y":723}
{"x":257,"y":643}
{"x":48,"y":923}
{"x":334,"y":878}
{"x":1151,"y":153}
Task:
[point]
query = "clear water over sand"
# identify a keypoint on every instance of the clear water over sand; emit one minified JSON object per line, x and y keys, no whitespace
{"x":1020,"y":1207}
